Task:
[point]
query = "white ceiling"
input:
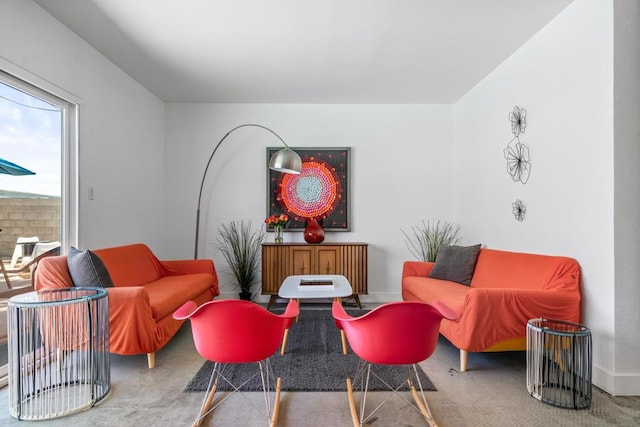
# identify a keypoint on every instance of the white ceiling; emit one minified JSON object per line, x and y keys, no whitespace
{"x":306,"y":51}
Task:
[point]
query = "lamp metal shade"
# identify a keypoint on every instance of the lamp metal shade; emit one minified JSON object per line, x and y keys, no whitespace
{"x":286,"y":160}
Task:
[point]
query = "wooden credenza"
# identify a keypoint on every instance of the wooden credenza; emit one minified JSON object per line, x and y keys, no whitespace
{"x":280,"y":260}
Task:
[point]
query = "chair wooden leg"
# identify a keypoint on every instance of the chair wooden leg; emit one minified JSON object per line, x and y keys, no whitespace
{"x":284,"y":341}
{"x":423,"y":406}
{"x":207,"y":403}
{"x":276,"y":403}
{"x":344,"y":342}
{"x":464,"y":357}
{"x":352,"y":405}
{"x":151,"y":360}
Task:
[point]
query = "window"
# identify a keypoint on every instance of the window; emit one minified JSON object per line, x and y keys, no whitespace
{"x":38,"y":133}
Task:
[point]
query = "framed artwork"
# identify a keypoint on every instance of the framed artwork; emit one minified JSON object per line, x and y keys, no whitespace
{"x":320,"y":191}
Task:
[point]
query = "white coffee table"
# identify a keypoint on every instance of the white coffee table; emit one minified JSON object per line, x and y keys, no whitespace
{"x":303,"y":286}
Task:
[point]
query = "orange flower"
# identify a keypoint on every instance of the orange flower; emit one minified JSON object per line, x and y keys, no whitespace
{"x":277,"y":221}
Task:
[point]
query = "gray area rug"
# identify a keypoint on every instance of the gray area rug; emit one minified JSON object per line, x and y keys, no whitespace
{"x":313,"y":361}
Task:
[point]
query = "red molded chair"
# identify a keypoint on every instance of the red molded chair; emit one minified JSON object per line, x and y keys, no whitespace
{"x":396,"y":333}
{"x":236,"y":331}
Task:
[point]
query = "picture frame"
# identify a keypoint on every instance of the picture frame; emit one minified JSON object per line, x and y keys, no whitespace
{"x":322,"y":190}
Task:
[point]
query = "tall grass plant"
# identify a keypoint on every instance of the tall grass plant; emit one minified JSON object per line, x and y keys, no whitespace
{"x":241,"y":247}
{"x":424,"y":241}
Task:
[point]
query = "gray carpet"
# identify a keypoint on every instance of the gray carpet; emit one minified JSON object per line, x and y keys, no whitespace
{"x":313,"y":361}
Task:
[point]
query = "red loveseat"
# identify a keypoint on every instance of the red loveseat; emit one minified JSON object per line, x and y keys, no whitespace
{"x":507,"y":289}
{"x":145,"y":294}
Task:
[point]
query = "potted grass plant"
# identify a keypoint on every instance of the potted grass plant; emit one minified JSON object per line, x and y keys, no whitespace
{"x":241,"y":248}
{"x":425,"y":240}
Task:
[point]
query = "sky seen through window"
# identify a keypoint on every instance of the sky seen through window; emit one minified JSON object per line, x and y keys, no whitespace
{"x":30,"y":136}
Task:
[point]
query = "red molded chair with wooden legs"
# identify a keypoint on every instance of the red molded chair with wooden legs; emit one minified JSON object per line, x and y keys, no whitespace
{"x":236,"y":331}
{"x":396,"y":333}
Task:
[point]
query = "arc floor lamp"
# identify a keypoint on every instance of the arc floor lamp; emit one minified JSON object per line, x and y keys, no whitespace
{"x":285,"y":160}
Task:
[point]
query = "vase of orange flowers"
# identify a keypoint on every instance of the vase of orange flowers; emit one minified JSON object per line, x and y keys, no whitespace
{"x":278,"y":223}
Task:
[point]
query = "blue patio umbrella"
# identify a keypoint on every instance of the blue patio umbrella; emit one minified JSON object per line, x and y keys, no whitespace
{"x":12,"y":169}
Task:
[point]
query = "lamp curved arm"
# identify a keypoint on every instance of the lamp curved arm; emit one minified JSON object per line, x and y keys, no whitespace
{"x":294,"y":168}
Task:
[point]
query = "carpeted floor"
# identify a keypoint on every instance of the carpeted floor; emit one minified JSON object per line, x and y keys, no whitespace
{"x":313,"y":361}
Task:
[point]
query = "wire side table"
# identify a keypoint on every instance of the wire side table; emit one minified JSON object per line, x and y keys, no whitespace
{"x":559,"y":363}
{"x":59,"y":361}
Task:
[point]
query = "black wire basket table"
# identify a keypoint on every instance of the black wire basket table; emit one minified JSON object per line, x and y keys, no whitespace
{"x":559,"y":363}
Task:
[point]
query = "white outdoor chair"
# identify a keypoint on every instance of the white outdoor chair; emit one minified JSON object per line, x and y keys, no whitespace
{"x":24,"y":266}
{"x":38,"y":249}
{"x":19,"y":251}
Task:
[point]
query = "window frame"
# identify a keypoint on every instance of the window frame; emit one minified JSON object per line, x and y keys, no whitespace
{"x":69,"y":196}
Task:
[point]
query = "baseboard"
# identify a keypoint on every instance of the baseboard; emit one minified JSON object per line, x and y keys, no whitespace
{"x":627,"y":385}
{"x":616,"y":384}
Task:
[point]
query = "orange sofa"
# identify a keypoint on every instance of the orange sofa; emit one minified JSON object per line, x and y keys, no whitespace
{"x":507,"y":289}
{"x":146,"y":292}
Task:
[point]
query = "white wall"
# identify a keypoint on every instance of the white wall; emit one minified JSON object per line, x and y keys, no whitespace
{"x":121,"y":141}
{"x":400,"y":173}
{"x":627,"y":200}
{"x":563,"y":77}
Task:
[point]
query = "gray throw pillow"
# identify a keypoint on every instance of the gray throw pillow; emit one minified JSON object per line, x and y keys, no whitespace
{"x":456,"y":263}
{"x":87,"y":269}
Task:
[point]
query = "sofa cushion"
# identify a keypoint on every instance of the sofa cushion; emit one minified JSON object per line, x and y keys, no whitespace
{"x":430,"y":290}
{"x":456,"y":263}
{"x":87,"y":269}
{"x":167,"y":294}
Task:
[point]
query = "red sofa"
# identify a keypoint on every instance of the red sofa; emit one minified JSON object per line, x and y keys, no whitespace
{"x":146,"y":292}
{"x":507,"y":289}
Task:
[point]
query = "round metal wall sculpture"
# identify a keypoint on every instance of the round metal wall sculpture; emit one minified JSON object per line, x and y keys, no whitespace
{"x":519,"y":210}
{"x":518,"y":161}
{"x":518,"y":158}
{"x":517,"y":153}
{"x":518,"y":118}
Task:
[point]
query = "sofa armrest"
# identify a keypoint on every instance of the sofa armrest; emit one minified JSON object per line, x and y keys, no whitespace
{"x":417,"y":268}
{"x":126,"y":300}
{"x":52,"y":273}
{"x":131,"y":322}
{"x":188,"y":266}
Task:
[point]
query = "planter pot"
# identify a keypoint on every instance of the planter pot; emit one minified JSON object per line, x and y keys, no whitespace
{"x":245,"y":295}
